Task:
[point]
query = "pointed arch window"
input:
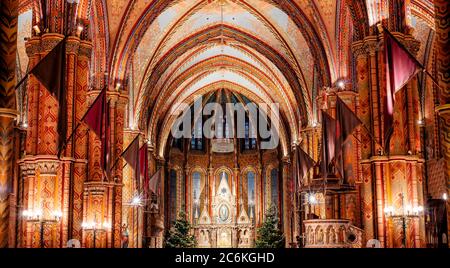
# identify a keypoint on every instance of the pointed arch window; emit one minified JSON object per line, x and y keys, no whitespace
{"x":197,"y":141}
{"x":249,"y":143}
{"x":196,"y":192}
{"x":274,"y":187}
{"x":251,"y":193}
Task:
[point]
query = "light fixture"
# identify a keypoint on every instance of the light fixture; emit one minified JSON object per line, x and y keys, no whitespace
{"x":312,"y":199}
{"x":420,"y":122}
{"x":136,"y":201}
{"x":389,"y":210}
{"x":38,"y":213}
{"x":36,"y":29}
{"x":118,"y":86}
{"x":26,"y":213}
{"x":57,"y":214}
{"x":445,"y":196}
{"x":341,"y":84}
{"x":32,"y":215}
{"x":24,"y":125}
{"x":80,"y":29}
{"x":106,"y":225}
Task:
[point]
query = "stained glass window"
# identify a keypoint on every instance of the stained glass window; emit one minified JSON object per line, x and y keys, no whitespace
{"x":251,"y":193}
{"x":274,"y":187}
{"x":196,"y":178}
{"x":249,"y":143}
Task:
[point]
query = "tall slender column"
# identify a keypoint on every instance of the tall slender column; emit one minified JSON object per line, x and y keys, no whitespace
{"x":8,"y":116}
{"x":442,"y":8}
{"x":118,"y":103}
{"x":161,"y":163}
{"x":287,"y":202}
{"x":80,"y":152}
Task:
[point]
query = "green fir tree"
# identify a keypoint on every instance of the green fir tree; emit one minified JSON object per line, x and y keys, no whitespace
{"x":179,"y":234}
{"x":269,"y":234}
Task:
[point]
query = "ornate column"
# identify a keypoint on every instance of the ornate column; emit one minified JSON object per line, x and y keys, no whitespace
{"x":8,"y":117}
{"x":259,"y":198}
{"x":442,"y":9}
{"x":103,"y":198}
{"x":49,"y":200}
{"x":236,"y":176}
{"x":79,"y":154}
{"x":118,"y":104}
{"x":156,"y":223}
{"x":287,"y":198}
{"x":385,"y":177}
{"x":27,"y":182}
{"x":212,"y":184}
{"x":297,"y":209}
{"x":363,"y":51}
{"x":128,"y":191}
{"x":161,"y":164}
{"x":41,"y":147}
{"x":42,"y":141}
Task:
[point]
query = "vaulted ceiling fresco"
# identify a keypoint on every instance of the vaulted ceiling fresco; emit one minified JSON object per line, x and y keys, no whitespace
{"x":281,"y":51}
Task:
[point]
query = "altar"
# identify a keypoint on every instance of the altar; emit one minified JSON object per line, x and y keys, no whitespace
{"x":224,"y":228}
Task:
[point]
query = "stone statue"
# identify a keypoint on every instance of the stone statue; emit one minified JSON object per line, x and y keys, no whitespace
{"x":320,"y":237}
{"x":125,"y":236}
{"x":332,"y":236}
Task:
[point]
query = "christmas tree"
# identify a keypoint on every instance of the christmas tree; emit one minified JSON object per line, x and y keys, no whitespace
{"x":269,"y":234}
{"x":179,"y":234}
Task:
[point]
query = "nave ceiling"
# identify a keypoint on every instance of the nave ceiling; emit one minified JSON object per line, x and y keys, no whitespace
{"x":282,"y":51}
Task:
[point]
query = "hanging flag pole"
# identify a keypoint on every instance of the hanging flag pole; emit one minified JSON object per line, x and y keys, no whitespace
{"x":38,"y":65}
{"x":362,"y":124}
{"x":121,"y":155}
{"x":381,"y":28}
{"x":79,"y":124}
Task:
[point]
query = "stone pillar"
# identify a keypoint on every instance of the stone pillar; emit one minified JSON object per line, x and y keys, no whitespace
{"x":156,"y":224}
{"x":97,"y":214}
{"x":128,"y":191}
{"x":236,"y":176}
{"x":259,"y":198}
{"x":385,"y":177}
{"x":297,"y":206}
{"x":363,"y":51}
{"x":287,"y":199}
{"x":28,"y":179}
{"x":103,"y":196}
{"x":213,"y":187}
{"x":94,"y":191}
{"x":442,"y":9}
{"x":161,"y":164}
{"x":79,"y":154}
{"x":7,"y":155}
{"x":118,"y":103}
{"x":49,"y":200}
{"x":42,"y":142}
{"x":8,"y":117}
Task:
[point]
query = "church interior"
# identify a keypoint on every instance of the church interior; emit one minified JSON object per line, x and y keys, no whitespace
{"x":64,"y":183}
